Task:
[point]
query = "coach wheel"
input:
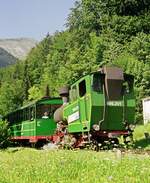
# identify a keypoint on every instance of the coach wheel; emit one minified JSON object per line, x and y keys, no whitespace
{"x":94,"y":145}
{"x":33,"y":144}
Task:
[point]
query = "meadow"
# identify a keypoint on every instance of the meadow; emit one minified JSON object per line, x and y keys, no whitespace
{"x":63,"y":166}
{"x":27,"y":165}
{"x":139,"y":137}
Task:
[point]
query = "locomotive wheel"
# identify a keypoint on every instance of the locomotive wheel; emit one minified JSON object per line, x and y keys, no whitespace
{"x":106,"y":143}
{"x":68,"y":142}
{"x":114,"y":142}
{"x":128,"y":139}
{"x":93,"y":145}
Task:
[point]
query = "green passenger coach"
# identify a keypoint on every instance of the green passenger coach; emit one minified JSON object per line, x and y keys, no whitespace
{"x":34,"y":123}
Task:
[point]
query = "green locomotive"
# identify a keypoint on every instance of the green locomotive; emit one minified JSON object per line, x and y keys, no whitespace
{"x":34,"y":123}
{"x":99,"y":106}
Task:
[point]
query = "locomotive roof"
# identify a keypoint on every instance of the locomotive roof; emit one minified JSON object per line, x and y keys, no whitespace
{"x":99,"y":71}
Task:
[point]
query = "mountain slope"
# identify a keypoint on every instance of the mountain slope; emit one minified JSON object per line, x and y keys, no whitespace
{"x":18,"y":47}
{"x":6,"y":58}
{"x":13,"y":49}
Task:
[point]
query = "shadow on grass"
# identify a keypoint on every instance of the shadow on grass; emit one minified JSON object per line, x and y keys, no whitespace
{"x":142,"y":143}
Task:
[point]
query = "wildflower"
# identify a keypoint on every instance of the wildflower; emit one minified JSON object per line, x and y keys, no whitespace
{"x":110,"y":177}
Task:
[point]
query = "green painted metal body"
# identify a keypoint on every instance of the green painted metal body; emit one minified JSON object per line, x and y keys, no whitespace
{"x":36,"y":126}
{"x":39,"y":127}
{"x":82,"y":112}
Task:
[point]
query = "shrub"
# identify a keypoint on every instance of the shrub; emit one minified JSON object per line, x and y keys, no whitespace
{"x":4,"y":134}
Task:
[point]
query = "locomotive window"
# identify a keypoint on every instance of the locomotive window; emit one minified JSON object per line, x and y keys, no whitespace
{"x":73,"y":93}
{"x":126,"y":88}
{"x":128,"y":83}
{"x":82,"y":88}
{"x":97,"y":82}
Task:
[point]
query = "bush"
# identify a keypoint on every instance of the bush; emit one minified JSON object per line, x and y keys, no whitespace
{"x":4,"y":134}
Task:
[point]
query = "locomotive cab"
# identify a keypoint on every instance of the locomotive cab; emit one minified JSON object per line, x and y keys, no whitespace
{"x":102,"y":101}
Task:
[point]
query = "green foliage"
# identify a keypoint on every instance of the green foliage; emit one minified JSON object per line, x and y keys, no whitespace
{"x":36,"y":61}
{"x":140,"y":47}
{"x":125,"y":7}
{"x":139,"y":136}
{"x":34,"y":93}
{"x":4,"y":134}
{"x":112,"y":32}
{"x":10,"y":97}
{"x":140,"y":130}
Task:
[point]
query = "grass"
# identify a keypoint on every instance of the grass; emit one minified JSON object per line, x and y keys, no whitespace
{"x":26,"y":165}
{"x":139,"y":137}
{"x":39,"y":166}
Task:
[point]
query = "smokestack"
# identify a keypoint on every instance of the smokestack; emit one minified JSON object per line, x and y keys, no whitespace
{"x":64,"y":93}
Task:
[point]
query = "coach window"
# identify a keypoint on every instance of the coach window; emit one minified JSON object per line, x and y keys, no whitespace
{"x":21,"y":115}
{"x":32,"y":113}
{"x":16,"y":116}
{"x":82,"y":88}
{"x":53,"y":108}
{"x":43,"y":109}
{"x":28,"y":113}
{"x":24,"y":115}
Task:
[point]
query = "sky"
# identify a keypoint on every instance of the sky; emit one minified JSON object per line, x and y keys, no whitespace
{"x":32,"y":18}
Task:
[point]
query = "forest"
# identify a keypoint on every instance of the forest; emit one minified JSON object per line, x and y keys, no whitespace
{"x":98,"y":32}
